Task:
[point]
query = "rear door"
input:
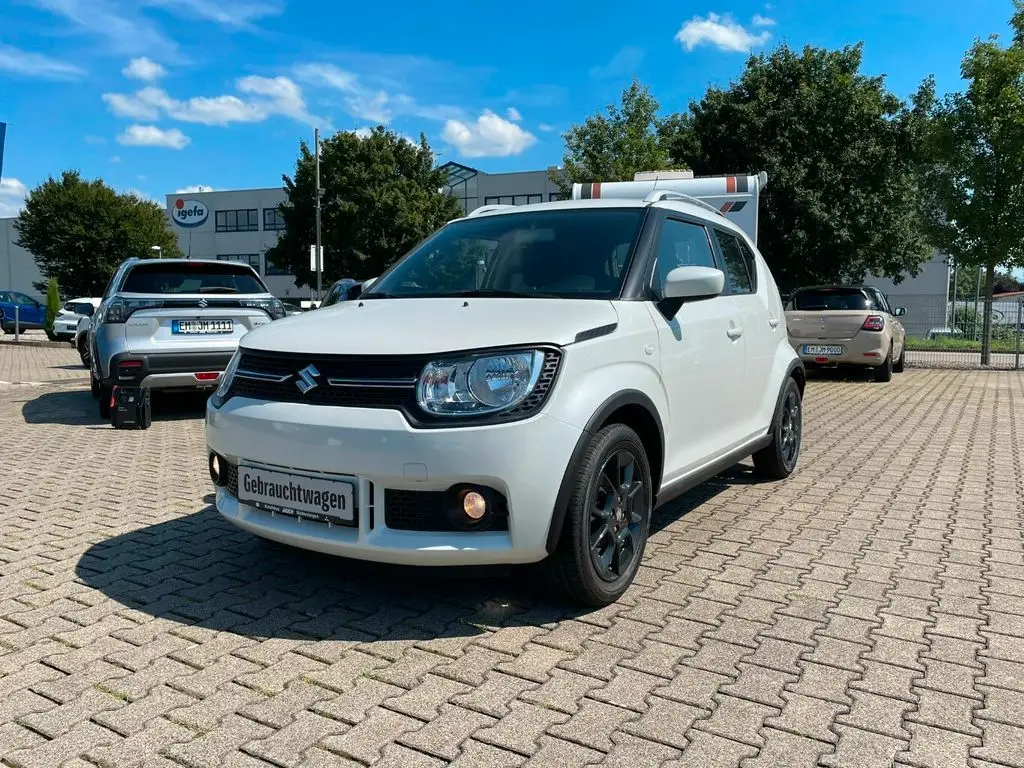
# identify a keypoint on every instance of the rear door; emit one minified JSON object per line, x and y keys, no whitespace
{"x":197,"y":306}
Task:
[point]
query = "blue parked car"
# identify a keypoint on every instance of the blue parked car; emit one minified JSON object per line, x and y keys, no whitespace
{"x":31,"y":313}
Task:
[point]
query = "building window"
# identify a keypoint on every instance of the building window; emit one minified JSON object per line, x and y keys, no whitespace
{"x":252,"y":259}
{"x":513,"y":199}
{"x":462,"y":184}
{"x":245,"y":220}
{"x":272,"y":220}
{"x":271,"y":269}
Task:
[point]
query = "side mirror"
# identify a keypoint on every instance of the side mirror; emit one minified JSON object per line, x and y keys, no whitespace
{"x":690,"y":284}
{"x":899,"y":311}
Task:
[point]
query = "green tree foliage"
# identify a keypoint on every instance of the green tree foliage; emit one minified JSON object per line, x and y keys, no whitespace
{"x":52,"y":305}
{"x":79,"y":231}
{"x":976,"y":179}
{"x":382,"y":195}
{"x":614,"y":146}
{"x":842,"y":158}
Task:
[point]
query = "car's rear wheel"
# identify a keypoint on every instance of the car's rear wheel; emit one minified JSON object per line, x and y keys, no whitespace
{"x":778,"y":459}
{"x":83,"y":349}
{"x":607,"y":520}
{"x":898,"y":366}
{"x":883,"y":372}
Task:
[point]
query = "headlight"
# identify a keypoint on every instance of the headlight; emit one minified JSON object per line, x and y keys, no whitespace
{"x":229,"y":376}
{"x":483,"y":384}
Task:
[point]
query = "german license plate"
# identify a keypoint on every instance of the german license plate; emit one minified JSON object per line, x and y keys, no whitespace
{"x":824,"y":351}
{"x":202,"y":326}
{"x":310,"y":498}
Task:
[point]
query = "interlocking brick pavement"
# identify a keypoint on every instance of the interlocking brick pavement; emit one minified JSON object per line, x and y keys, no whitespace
{"x":868,"y":611}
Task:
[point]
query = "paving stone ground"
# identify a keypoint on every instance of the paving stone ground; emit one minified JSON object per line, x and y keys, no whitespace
{"x":866,"y":612}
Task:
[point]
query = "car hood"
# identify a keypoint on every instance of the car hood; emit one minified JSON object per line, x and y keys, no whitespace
{"x":429,"y":326}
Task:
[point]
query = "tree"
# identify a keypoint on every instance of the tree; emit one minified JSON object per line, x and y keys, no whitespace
{"x":613,"y":147}
{"x":382,"y":195}
{"x":52,"y":305}
{"x":976,"y":179}
{"x":80,"y":231}
{"x":842,"y":156}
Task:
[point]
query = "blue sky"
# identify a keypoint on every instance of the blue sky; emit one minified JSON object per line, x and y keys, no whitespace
{"x":158,"y":96}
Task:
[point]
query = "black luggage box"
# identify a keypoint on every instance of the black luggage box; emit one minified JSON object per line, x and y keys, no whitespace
{"x":131,"y":408}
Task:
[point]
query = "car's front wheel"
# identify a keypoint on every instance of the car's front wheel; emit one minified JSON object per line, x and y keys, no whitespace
{"x":607,"y":520}
{"x":778,"y":459}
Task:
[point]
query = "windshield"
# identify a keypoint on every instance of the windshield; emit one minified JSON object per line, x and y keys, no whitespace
{"x":822,"y":299}
{"x":546,"y":254}
{"x":198,"y":277}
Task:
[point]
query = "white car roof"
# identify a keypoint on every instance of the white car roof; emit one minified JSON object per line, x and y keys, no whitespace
{"x":690,"y":209}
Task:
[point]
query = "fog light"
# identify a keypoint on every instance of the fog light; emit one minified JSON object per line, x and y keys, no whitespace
{"x":474,"y":505}
{"x":216,"y":469}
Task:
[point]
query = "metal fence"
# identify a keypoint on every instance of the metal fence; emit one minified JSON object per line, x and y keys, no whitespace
{"x":941,"y":333}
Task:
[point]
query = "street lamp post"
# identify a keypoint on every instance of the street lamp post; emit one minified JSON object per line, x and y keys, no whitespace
{"x":319,"y":193}
{"x":158,"y":251}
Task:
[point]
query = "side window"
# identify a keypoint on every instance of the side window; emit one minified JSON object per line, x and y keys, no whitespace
{"x":681,"y":244}
{"x":880,"y":301}
{"x":751,"y":262}
{"x":21,"y":298}
{"x":737,"y":278}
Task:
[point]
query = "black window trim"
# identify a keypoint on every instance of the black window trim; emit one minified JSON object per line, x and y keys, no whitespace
{"x":721,"y":258}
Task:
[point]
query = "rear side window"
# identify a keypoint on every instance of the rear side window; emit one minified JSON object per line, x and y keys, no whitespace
{"x":181,"y":277}
{"x":822,"y":299}
{"x":737,"y":270}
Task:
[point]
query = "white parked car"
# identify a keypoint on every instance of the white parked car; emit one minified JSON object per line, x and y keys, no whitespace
{"x":529,"y":383}
{"x":65,"y":324}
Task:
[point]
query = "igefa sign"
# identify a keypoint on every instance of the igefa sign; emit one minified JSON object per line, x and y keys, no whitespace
{"x":189,"y":213}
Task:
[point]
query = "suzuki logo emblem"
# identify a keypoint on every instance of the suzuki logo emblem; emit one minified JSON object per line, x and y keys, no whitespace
{"x":307,"y":378}
{"x":203,"y":303}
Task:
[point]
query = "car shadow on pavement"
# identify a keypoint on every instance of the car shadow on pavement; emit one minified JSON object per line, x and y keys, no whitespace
{"x":77,"y":407}
{"x":201,"y":570}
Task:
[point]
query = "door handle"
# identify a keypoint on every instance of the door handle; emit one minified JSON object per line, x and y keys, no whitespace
{"x":734,"y":333}
{"x":774,"y":322}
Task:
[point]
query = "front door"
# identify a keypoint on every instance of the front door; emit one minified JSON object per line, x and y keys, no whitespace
{"x":702,"y":356}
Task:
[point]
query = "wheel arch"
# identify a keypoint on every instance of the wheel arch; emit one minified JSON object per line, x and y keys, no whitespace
{"x":798,"y":373}
{"x":637,"y":411}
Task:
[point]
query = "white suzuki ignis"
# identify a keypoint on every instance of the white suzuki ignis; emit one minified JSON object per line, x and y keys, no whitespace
{"x":529,"y":383}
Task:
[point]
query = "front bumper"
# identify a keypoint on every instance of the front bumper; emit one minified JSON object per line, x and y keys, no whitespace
{"x":861,"y":350}
{"x":64,"y":330}
{"x":377,"y":451}
{"x":177,"y":370}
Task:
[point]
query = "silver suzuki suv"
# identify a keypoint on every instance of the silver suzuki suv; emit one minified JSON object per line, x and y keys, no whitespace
{"x":173,"y":324}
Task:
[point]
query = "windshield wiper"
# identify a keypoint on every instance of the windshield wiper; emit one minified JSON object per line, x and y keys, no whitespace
{"x":501,"y":293}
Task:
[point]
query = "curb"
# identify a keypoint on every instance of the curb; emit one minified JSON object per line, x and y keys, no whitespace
{"x":34,"y":343}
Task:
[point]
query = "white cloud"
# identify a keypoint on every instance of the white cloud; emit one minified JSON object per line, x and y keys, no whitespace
{"x":144,"y":68}
{"x":230,"y":13}
{"x":722,"y":32}
{"x":372,"y":102}
{"x":514,"y":115}
{"x":32,"y":64}
{"x":12,"y":197}
{"x":364,"y":132}
{"x":762,"y":21}
{"x":115,"y":158}
{"x":267,"y":96}
{"x":192,"y":188}
{"x":151,"y":136}
{"x":547,"y":128}
{"x":122,"y":26}
{"x":624,"y":62}
{"x":488,"y":136}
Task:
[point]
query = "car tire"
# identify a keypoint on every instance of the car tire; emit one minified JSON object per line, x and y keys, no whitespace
{"x":610,"y":505}
{"x":883,"y":372}
{"x":105,"y":392}
{"x":777,"y":460}
{"x":83,"y":350}
{"x":51,"y":336}
{"x":899,"y":365}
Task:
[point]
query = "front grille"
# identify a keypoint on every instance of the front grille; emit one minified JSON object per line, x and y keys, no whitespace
{"x":365,"y":381}
{"x":424,"y":511}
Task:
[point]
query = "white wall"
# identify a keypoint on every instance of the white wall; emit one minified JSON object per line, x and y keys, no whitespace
{"x":18,"y":268}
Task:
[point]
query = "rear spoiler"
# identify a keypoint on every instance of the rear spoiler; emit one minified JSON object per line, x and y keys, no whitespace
{"x":735,"y":197}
